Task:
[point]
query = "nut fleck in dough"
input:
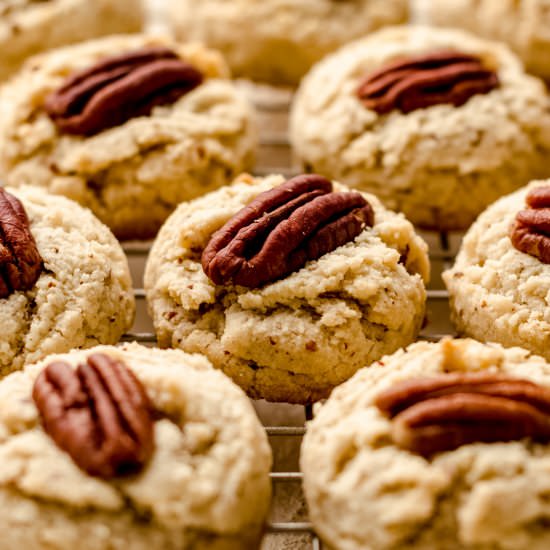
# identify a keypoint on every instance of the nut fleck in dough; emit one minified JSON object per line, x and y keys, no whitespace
{"x":131,"y":176}
{"x":499,"y":294}
{"x":278,"y":41}
{"x":206,"y":486}
{"x":83,"y":296}
{"x":295,"y":339}
{"x":364,"y":493}
{"x":442,"y":165}
{"x":30,"y":26}
{"x":523,"y":24}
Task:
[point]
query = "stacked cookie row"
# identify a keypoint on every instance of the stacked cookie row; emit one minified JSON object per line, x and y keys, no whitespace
{"x":289,"y":287}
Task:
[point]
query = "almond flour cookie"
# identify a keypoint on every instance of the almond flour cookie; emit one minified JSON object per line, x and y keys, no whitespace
{"x":523,"y":25}
{"x":277,"y":41}
{"x":31,"y":26}
{"x":149,"y":449}
{"x":128,"y":126}
{"x":287,"y":311}
{"x":436,"y":123}
{"x":499,"y":286}
{"x":440,"y":447}
{"x":64,"y":279}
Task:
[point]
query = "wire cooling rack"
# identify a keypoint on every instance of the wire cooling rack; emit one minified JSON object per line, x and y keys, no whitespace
{"x":289,"y":527}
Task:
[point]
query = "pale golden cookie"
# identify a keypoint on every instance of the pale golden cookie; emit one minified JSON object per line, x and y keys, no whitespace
{"x":205,"y":487}
{"x":366,"y":493}
{"x":296,"y":338}
{"x":440,"y":165}
{"x":132,"y":175}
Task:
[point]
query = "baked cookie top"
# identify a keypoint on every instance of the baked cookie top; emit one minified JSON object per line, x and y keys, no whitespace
{"x":423,"y":157}
{"x":130,"y":175}
{"x":83,"y":295}
{"x":287,"y":339}
{"x":207,"y":476}
{"x":500,"y":292}
{"x":365,"y":492}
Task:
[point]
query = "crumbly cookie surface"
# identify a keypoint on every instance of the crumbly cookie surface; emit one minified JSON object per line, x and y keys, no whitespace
{"x":30,"y":26}
{"x":279,"y":40}
{"x":131,"y":176}
{"x":442,"y":165}
{"x":522,"y":25}
{"x":84,"y":295}
{"x":295,"y":339}
{"x":364,"y":493}
{"x":499,"y":294}
{"x":206,"y":487}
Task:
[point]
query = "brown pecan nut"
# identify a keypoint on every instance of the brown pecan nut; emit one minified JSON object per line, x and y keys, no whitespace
{"x":432,"y":415}
{"x":120,"y":88}
{"x":98,"y":413}
{"x":20,"y":261}
{"x":530,"y":233}
{"x":426,"y":80}
{"x":282,"y":229}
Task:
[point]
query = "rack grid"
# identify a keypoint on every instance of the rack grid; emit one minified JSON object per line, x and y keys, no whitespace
{"x":275,"y":157}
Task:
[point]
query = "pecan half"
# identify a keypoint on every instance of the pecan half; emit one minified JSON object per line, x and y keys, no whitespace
{"x":282,"y":229}
{"x":120,"y":88}
{"x":433,"y":415}
{"x":20,"y":261}
{"x":530,"y":233}
{"x":426,"y":80}
{"x":98,"y":413}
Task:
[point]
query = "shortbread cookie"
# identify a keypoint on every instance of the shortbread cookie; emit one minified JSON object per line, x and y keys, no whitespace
{"x":277,"y":41}
{"x":500,"y":293}
{"x":31,"y":26}
{"x":64,"y":279}
{"x":443,"y":446}
{"x":151,"y":449}
{"x":287,"y":318}
{"x":162,"y":126}
{"x":438,"y":124}
{"x":524,"y":25}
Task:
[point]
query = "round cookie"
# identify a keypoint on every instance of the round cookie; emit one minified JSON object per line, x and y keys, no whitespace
{"x":83,"y":295}
{"x":522,"y":25}
{"x":440,"y":164}
{"x":294,"y":339}
{"x":366,"y":492}
{"x":206,"y":485}
{"x":134,"y":174}
{"x":499,"y":293}
{"x":277,"y":41}
{"x":28,"y":27}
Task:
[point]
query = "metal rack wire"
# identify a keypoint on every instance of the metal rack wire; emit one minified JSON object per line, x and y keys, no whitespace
{"x":274,"y":145}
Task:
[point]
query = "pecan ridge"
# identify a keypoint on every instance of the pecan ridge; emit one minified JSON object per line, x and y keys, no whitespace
{"x":426,"y":80}
{"x":530,"y":233}
{"x":432,"y":415}
{"x":282,"y":229}
{"x":98,"y":413}
{"x":20,"y":261}
{"x":120,"y":88}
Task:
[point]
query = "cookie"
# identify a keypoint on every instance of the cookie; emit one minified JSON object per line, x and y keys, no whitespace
{"x":277,"y":41}
{"x":500,"y":293}
{"x":310,"y":324}
{"x":28,"y":27}
{"x":391,"y":462}
{"x":165,"y":126}
{"x":64,"y":280}
{"x":194,"y":473}
{"x":522,"y":25}
{"x":460,"y":127}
